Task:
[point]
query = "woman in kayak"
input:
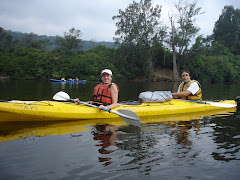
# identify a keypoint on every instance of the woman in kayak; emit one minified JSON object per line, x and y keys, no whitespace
{"x":188,"y":89}
{"x":105,"y":94}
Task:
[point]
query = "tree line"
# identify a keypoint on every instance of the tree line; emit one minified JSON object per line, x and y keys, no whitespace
{"x":143,"y":44}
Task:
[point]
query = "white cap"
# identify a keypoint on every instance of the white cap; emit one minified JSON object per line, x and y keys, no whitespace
{"x":108,"y":71}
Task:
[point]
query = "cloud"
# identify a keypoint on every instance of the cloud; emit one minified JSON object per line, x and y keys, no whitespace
{"x":30,"y":24}
{"x":93,"y":17}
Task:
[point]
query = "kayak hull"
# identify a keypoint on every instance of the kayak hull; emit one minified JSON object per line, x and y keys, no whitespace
{"x":54,"y":111}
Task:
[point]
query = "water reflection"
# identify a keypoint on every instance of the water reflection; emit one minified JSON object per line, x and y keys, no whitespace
{"x":65,"y":85}
{"x":171,"y":147}
{"x":227,"y":138}
{"x":109,"y":147}
{"x":153,"y":143}
{"x":182,"y":133}
{"x":106,"y":136}
{"x":150,"y":144}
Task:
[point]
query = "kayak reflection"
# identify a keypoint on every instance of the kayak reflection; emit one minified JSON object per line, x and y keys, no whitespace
{"x":21,"y":130}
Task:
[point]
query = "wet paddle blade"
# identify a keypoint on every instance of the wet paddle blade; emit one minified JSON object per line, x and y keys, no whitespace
{"x":222,"y":105}
{"x":217,"y":104}
{"x":129,"y":116}
{"x":61,"y":96}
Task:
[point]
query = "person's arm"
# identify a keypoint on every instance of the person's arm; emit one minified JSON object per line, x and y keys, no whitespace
{"x":181,"y":94}
{"x":193,"y":88}
{"x":114,"y":93}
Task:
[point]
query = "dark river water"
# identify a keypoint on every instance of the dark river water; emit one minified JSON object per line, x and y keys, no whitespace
{"x":177,"y":147}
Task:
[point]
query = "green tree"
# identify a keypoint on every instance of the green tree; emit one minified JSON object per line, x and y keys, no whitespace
{"x":2,"y":33}
{"x":227,"y":29}
{"x":71,"y":40}
{"x":30,"y":41}
{"x":201,"y":46}
{"x":182,"y":30}
{"x":140,"y":25}
{"x":6,"y":40}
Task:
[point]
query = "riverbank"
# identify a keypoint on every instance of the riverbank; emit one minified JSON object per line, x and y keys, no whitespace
{"x":163,"y":74}
{"x":160,"y":74}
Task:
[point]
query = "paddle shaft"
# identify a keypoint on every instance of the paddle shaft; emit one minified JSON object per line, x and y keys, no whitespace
{"x":215,"y":104}
{"x":202,"y":102}
{"x":108,"y":110}
{"x":128,"y":116}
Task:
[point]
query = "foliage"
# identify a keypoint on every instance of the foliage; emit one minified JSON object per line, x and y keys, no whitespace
{"x":227,"y":29}
{"x":215,"y":69}
{"x":70,"y":41}
{"x":18,"y":36}
{"x":3,"y":35}
{"x":140,"y":51}
{"x":182,"y":31}
{"x":185,"y":29}
{"x":20,"y":64}
{"x":162,"y":57}
{"x":139,"y":26}
{"x":32,"y":63}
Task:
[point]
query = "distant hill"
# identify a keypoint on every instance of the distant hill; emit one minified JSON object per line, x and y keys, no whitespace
{"x":86,"y":44}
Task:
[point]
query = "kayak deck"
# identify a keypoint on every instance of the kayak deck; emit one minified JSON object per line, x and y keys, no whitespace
{"x":53,"y":110}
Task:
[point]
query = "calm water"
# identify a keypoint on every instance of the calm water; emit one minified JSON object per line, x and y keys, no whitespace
{"x":199,"y":147}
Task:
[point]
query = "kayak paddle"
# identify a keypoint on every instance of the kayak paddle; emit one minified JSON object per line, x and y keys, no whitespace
{"x":216,"y":104}
{"x":126,"y":115}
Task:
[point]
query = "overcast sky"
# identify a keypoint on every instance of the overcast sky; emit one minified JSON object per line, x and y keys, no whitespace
{"x":92,"y":17}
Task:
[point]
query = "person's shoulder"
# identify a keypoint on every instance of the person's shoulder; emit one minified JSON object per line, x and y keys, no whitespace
{"x":195,"y":84}
{"x":181,"y":84}
{"x":113,"y":86}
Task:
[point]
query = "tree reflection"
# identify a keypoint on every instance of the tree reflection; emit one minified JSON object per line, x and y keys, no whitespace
{"x":147,"y":145}
{"x":227,"y":138}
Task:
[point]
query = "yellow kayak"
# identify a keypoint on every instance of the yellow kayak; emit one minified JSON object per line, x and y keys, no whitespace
{"x":54,"y":110}
{"x":22,"y":130}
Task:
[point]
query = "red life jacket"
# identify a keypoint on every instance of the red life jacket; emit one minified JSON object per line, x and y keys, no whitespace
{"x":102,"y":94}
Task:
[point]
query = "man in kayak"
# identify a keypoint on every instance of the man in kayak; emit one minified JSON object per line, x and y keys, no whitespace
{"x":188,"y":89}
{"x":105,"y":94}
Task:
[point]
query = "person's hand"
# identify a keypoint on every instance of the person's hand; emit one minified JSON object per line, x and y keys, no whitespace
{"x":75,"y":100}
{"x":101,"y":107}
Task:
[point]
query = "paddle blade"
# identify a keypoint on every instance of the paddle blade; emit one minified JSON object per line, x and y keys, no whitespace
{"x":222,"y":105}
{"x":129,"y":117}
{"x":61,"y":96}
